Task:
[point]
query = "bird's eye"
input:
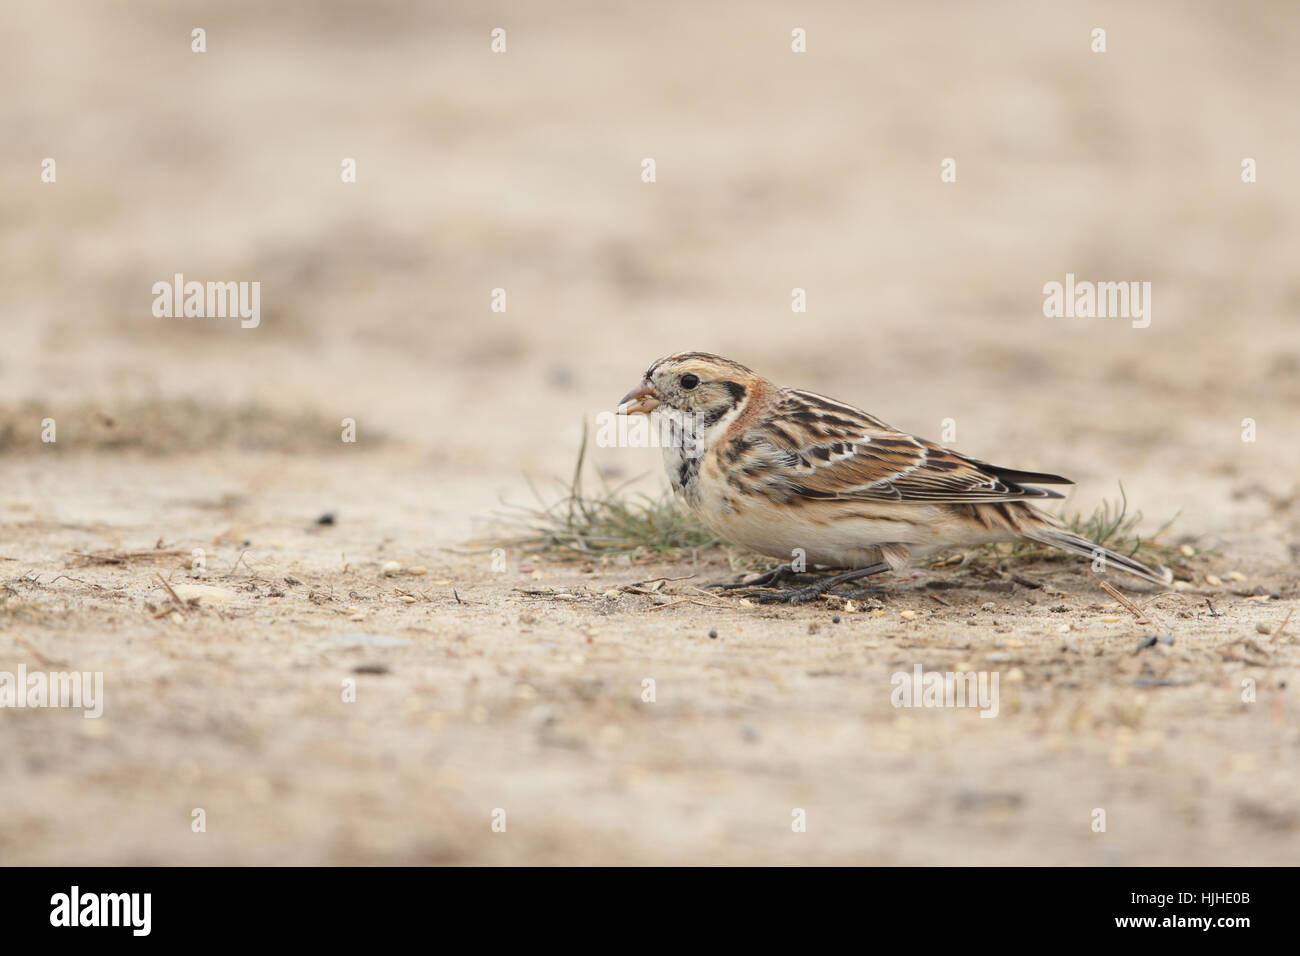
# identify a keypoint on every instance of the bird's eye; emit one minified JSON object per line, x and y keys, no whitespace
{"x":690,"y":380}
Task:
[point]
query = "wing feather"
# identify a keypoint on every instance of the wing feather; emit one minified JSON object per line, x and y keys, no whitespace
{"x":818,"y":448}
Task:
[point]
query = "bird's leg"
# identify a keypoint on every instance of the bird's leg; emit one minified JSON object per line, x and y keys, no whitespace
{"x":813,"y":591}
{"x":782,"y":572}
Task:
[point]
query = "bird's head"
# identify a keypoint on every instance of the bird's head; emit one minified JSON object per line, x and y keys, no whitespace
{"x":691,"y":383}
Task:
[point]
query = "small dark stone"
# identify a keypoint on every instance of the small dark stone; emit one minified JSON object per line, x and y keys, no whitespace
{"x":713,"y":634}
{"x":835,"y":619}
{"x":326,"y":517}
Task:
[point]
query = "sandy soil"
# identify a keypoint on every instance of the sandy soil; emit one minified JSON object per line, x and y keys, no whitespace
{"x":522,"y":689}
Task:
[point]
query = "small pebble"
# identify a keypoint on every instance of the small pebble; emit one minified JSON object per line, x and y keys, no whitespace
{"x":1110,"y":619}
{"x":835,"y":619}
{"x":419,"y":571}
{"x":1213,"y":580}
{"x":406,"y":599}
{"x":713,"y":635}
{"x":1237,"y":576}
{"x":1187,"y":551}
{"x":907,"y":615}
{"x":391,"y":568}
{"x":326,"y":517}
{"x":1264,"y":628}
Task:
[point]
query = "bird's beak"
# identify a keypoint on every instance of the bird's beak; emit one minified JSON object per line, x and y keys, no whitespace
{"x":641,"y":399}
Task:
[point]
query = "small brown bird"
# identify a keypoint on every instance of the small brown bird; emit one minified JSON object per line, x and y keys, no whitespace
{"x":796,"y":475}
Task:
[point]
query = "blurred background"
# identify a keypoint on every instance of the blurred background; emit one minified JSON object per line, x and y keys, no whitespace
{"x":522,"y":171}
{"x":775,"y":170}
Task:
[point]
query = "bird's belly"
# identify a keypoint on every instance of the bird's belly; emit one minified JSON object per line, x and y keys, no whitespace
{"x":834,"y":534}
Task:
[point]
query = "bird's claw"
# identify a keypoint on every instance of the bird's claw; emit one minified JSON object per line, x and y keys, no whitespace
{"x":792,"y":596}
{"x":779,"y":573}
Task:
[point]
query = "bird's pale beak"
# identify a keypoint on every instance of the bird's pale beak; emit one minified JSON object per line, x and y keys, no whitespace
{"x":640,"y":400}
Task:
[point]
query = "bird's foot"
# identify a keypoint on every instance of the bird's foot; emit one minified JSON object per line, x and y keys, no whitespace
{"x":782,"y":572}
{"x":815,"y":590}
{"x":792,"y":596}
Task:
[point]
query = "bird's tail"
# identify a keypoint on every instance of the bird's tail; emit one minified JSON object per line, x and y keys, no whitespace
{"x":1103,"y":558}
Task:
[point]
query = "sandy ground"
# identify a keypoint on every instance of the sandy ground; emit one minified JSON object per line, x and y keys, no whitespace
{"x":522,"y":690}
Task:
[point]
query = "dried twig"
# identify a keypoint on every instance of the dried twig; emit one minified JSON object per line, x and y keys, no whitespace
{"x":691,"y":600}
{"x":180,"y":605}
{"x":36,"y":653}
{"x":1132,"y":608}
{"x":1285,"y":621}
{"x":113,"y":556}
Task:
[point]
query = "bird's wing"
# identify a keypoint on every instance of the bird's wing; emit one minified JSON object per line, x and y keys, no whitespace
{"x":814,"y":447}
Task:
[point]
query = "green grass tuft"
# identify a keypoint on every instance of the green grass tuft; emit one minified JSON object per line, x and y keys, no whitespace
{"x":605,"y":523}
{"x":1111,"y":525}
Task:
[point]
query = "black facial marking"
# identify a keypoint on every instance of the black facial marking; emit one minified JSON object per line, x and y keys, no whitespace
{"x":736,"y":389}
{"x":686,"y":471}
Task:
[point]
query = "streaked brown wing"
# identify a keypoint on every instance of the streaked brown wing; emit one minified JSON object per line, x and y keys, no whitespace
{"x":826,"y":449}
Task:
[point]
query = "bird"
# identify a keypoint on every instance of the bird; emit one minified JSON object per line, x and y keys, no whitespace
{"x":792,"y":474}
